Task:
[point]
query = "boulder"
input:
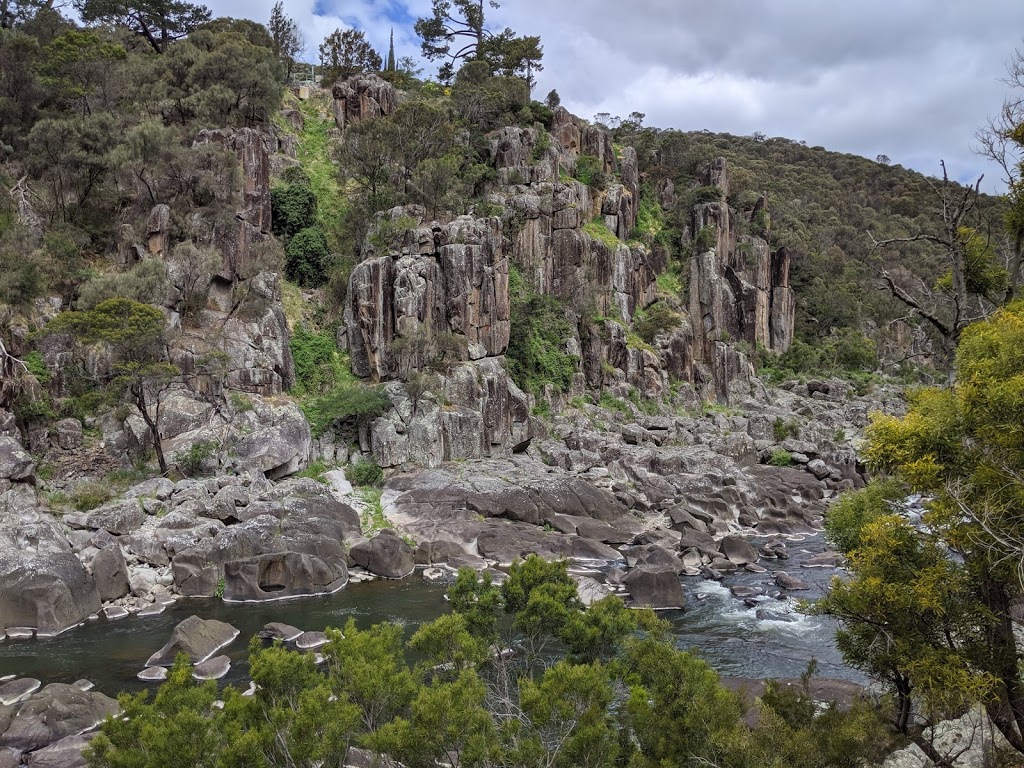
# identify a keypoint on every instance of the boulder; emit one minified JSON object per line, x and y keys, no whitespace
{"x":197,"y":638}
{"x":18,"y":689}
{"x":57,"y":711}
{"x":791,"y":583}
{"x":111,"y":573}
{"x":153,"y":674}
{"x":66,"y":753}
{"x":15,"y":462}
{"x":655,"y":588}
{"x":212,"y":669}
{"x":67,"y":434}
{"x":283,"y":574}
{"x":50,"y":591}
{"x":9,"y":757}
{"x":386,"y":554}
{"x":738,"y":550}
{"x":309,"y":640}
{"x":277,"y":631}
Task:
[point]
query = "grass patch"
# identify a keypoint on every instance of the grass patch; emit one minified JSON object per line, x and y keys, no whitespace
{"x":373,"y":516}
{"x":293,"y":303}
{"x":781,"y":458}
{"x":316,"y":471}
{"x":612,"y":403}
{"x":598,"y":231}
{"x":314,"y":154}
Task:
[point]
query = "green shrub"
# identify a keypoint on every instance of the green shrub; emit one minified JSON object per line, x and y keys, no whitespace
{"x":365,"y":474}
{"x":536,"y":349}
{"x":783,"y":429}
{"x":612,"y":403}
{"x":191,"y":461}
{"x":846,"y":519}
{"x":90,"y":494}
{"x":781,"y":458}
{"x":317,"y":362}
{"x":705,"y":240}
{"x":37,"y":367}
{"x":315,"y":471}
{"x":598,"y":231}
{"x":346,"y":401}
{"x":293,"y":208}
{"x":654,"y":320}
{"x":307,"y":257}
{"x":707,"y":194}
{"x":590,"y":171}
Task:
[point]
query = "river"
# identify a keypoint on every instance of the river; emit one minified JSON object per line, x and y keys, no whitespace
{"x":720,"y":627}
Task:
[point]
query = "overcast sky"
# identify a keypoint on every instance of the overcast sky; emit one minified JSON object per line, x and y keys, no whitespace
{"x":911,"y":79}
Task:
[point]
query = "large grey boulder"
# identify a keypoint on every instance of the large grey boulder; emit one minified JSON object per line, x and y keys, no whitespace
{"x":50,"y":591}
{"x":54,"y":713}
{"x":284,"y":574}
{"x":738,"y":550}
{"x":111,"y":573}
{"x":197,"y":638}
{"x":278,"y":443}
{"x":15,"y":462}
{"x":386,"y":554}
{"x":66,"y":753}
{"x":655,"y":588}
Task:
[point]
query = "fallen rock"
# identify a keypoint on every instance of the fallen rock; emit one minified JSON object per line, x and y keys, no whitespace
{"x":111,"y":573}
{"x":277,"y":631}
{"x":386,"y":554}
{"x":655,"y":588}
{"x":792,"y":583}
{"x":66,"y":753}
{"x":309,"y":640}
{"x":55,"y":712}
{"x":197,"y":638}
{"x":153,"y":674}
{"x":212,"y":669}
{"x":18,"y":690}
{"x":738,"y":550}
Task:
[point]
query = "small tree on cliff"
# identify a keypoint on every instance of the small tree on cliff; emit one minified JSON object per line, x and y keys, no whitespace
{"x":135,"y":335}
{"x":456,"y":32}
{"x":347,"y":52}
{"x":161,"y":22}
{"x":285,"y":33}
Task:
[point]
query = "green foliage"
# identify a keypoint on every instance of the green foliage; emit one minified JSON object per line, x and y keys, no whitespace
{"x":344,"y":53}
{"x":307,"y":257}
{"x":89,"y":494}
{"x":613,"y":403}
{"x":847,"y":518}
{"x":319,"y":366}
{"x":599,"y":232}
{"x":781,"y":429}
{"x":536,"y":351}
{"x":365,"y":474}
{"x":315,"y":471}
{"x":707,"y":194}
{"x":346,"y":401}
{"x":145,"y":282}
{"x":656,"y":319}
{"x":590,"y":171}
{"x":192,"y":459}
{"x":780,"y":458}
{"x":706,"y":239}
{"x":294,"y":208}
{"x":847,"y":353}
{"x":159,"y":22}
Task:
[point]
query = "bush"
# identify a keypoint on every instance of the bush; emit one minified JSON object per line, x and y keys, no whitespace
{"x":590,"y":171}
{"x":365,"y":474}
{"x":711,"y":194}
{"x":536,"y":349}
{"x":705,"y":240}
{"x":346,"y":401}
{"x":90,"y":494}
{"x":293,"y":208}
{"x":783,"y":429}
{"x":654,"y":320}
{"x":318,"y":364}
{"x":307,"y":257}
{"x":781,"y":458}
{"x":191,"y":461}
{"x":846,"y":519}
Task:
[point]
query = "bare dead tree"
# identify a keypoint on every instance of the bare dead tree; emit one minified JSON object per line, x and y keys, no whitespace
{"x":1001,"y":140}
{"x":950,"y":311}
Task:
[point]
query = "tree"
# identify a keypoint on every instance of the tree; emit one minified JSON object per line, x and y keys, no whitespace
{"x":959,"y":298}
{"x":456,"y":32}
{"x":15,"y":12}
{"x":347,"y":52}
{"x":929,"y":608}
{"x":134,"y":333}
{"x":391,"y":66}
{"x":160,"y":22}
{"x":284,"y":31}
{"x":1002,"y":141}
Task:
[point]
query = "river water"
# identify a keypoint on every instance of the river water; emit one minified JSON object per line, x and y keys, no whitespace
{"x":720,"y":627}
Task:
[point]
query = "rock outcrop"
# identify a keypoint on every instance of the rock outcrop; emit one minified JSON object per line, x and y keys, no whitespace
{"x":361,"y":97}
{"x":197,"y":638}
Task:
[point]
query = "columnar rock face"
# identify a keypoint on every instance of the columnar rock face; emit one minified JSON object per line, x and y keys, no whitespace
{"x":252,"y":220}
{"x":361,"y":97}
{"x":441,"y":279}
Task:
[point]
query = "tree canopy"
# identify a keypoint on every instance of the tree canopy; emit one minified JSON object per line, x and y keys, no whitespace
{"x":160,"y":22}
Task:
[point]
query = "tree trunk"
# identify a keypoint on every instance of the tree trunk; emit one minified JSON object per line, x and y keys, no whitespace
{"x":139,"y":390}
{"x":903,"y":712}
{"x":1007,"y":710}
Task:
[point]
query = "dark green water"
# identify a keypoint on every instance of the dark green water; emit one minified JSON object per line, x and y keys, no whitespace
{"x":721,"y":628}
